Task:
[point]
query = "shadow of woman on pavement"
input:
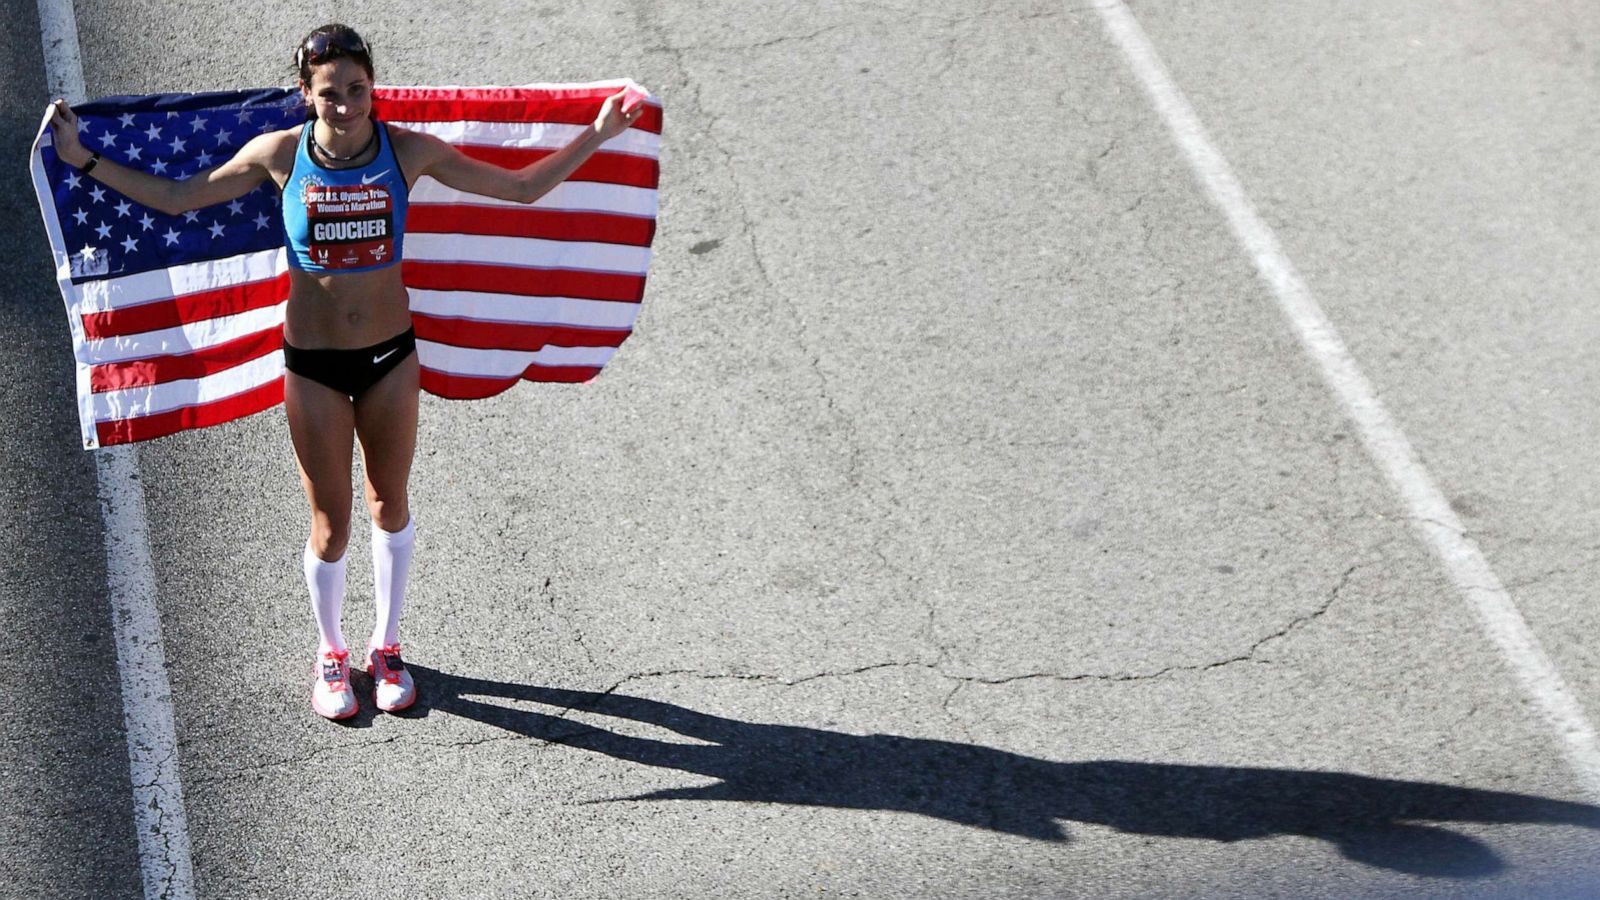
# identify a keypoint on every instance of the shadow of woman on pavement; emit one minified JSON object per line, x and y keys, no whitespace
{"x":1375,"y":821}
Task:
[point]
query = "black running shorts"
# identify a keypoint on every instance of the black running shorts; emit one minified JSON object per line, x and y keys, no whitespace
{"x":350,"y":372}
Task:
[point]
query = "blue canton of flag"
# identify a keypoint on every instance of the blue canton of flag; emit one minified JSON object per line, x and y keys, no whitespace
{"x":173,"y":136}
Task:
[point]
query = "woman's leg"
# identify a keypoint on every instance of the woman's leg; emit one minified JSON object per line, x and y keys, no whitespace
{"x":322,"y":428}
{"x":386,"y":423}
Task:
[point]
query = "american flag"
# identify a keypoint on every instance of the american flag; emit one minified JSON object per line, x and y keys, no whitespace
{"x":177,"y":321}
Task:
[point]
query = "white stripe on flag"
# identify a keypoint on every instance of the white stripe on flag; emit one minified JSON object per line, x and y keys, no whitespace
{"x":511,"y":308}
{"x":534,"y":135}
{"x":189,"y":278}
{"x":403,"y":91}
{"x":530,"y":252}
{"x":505,"y":363}
{"x":143,"y":401}
{"x":571,"y":196}
{"x":182,"y":338}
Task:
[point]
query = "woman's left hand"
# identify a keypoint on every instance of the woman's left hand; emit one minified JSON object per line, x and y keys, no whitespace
{"x":612,"y":121}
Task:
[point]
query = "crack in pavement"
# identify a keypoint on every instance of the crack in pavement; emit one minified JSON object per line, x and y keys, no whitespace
{"x":1246,"y":657}
{"x":749,"y":232}
{"x":1538,"y":577}
{"x":567,"y":622}
{"x":237,"y":770}
{"x":1067,"y":443}
{"x":960,"y":683}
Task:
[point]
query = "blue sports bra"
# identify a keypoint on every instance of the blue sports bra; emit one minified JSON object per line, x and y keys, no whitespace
{"x":345,"y":220}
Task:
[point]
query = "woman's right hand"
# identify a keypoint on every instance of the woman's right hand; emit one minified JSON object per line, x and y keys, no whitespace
{"x":64,"y":135}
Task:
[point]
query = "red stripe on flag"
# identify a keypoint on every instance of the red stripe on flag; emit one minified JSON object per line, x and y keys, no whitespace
{"x":468,"y":387}
{"x":204,"y":415}
{"x":181,"y":310}
{"x":565,"y":107}
{"x":609,"y":168}
{"x":512,"y":335}
{"x":527,"y":221}
{"x":526,"y":282}
{"x":193,"y":364}
{"x":463,"y":387}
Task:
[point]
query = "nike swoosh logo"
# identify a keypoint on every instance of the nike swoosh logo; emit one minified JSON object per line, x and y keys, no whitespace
{"x":379,"y":359}
{"x":368,"y":179}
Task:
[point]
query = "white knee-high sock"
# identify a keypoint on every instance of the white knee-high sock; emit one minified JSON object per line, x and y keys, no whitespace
{"x":326,"y":581}
{"x":391,"y":562}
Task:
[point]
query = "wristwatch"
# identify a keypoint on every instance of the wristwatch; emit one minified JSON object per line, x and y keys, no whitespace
{"x":88,"y":167}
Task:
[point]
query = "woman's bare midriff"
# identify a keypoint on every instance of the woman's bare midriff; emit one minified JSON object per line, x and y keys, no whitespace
{"x":345,"y":312}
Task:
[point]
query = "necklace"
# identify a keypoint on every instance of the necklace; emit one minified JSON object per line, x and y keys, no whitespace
{"x":330,"y":157}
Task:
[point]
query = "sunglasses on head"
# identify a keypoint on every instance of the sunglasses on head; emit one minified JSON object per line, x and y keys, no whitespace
{"x":321,"y":47}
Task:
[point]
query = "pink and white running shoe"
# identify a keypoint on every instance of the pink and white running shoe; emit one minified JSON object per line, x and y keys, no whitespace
{"x":331,"y":695}
{"x":392,"y":686}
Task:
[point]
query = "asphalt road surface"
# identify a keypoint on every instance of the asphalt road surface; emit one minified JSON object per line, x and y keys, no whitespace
{"x":963,"y":520}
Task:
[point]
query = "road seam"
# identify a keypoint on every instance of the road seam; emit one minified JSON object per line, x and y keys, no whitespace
{"x":1385,"y":443}
{"x":158,"y":814}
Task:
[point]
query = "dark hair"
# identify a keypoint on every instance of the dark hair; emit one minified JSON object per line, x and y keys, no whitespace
{"x":328,"y":43}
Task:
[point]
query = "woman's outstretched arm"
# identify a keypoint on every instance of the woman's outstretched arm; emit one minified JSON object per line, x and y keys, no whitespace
{"x":455,"y":169}
{"x":219,"y":184}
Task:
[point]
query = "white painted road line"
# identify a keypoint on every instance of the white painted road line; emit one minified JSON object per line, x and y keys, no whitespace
{"x":1382,"y":437}
{"x":158,"y":814}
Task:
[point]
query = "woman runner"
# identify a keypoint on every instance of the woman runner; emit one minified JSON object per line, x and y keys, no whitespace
{"x":347,"y":339}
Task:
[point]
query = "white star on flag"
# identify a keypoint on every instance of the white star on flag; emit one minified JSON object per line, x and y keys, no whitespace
{"x":236,"y":207}
{"x":123,"y":208}
{"x":103,"y":230}
{"x":99,"y":193}
{"x":126,"y":119}
{"x":130,"y":244}
{"x":159,"y":167}
{"x":73,"y":181}
{"x":178,"y":144}
{"x":198,"y":123}
{"x":147,"y":222}
{"x":82,"y":217}
{"x":261,"y":221}
{"x":134,"y":152}
{"x":223,"y":137}
{"x":88,"y":252}
{"x":153,"y":131}
{"x":171,"y":236}
{"x":204,"y":159}
{"x":191,"y":216}
{"x":216,"y":230}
